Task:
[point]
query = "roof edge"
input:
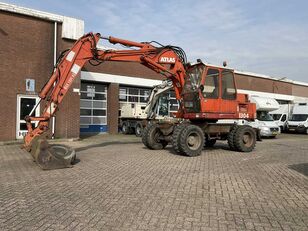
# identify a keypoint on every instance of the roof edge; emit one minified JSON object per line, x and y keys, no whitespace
{"x":31,"y":12}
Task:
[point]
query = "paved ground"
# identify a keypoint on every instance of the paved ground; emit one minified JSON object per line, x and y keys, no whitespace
{"x":120,"y":185}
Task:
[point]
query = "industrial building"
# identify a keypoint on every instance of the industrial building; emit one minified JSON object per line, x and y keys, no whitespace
{"x":32,"y":40}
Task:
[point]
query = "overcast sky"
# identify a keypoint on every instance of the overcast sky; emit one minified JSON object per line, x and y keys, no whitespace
{"x":263,"y":36}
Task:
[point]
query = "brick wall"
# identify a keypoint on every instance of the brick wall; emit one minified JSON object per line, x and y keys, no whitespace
{"x":251,"y":83}
{"x":124,"y":68}
{"x":68,"y":117}
{"x":26,"y":51}
{"x":113,"y":107}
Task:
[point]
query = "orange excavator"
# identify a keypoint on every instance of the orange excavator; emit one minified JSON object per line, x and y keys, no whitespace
{"x":206,"y":94}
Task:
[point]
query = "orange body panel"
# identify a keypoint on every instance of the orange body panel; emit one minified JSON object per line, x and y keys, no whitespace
{"x":167,"y":60}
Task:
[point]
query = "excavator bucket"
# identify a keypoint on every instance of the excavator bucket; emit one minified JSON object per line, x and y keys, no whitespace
{"x":52,"y":156}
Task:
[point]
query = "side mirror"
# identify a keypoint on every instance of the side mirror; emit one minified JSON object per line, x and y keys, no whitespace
{"x":201,"y":87}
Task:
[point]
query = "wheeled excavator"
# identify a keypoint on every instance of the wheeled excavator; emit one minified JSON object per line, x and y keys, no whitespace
{"x":135,"y":116}
{"x":206,"y":94}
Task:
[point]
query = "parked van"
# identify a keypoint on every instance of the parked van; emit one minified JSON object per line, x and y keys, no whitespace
{"x":264,"y":121}
{"x":281,"y":115}
{"x":299,"y":119}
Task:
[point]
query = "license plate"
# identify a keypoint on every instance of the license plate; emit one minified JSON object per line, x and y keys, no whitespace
{"x":274,"y":133}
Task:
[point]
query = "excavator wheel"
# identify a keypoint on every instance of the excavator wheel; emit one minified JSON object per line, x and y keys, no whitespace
{"x":52,"y":156}
{"x":144,"y":137}
{"x":230,"y":138}
{"x":176,"y":137}
{"x":150,"y":137}
{"x":245,"y":138}
{"x":191,"y":140}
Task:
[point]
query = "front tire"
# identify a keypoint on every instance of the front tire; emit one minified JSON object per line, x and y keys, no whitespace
{"x":191,"y":140}
{"x":244,"y":139}
{"x":150,"y":138}
{"x":176,"y":137}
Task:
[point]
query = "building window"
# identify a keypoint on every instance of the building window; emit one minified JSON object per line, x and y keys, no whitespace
{"x":93,"y":104}
{"x":141,"y":96}
{"x":133,"y":95}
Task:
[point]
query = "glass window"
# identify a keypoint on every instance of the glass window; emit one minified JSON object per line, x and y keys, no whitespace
{"x":90,"y":87}
{"x":276,"y":116}
{"x":133,"y":95}
{"x":284,"y":118}
{"x":93,"y":104}
{"x":192,"y":82}
{"x":173,"y":103}
{"x":99,"y":112}
{"x":133,"y":99}
{"x":264,"y":116}
{"x":133,"y":91}
{"x":85,"y":112}
{"x":299,"y":117}
{"x":26,"y":106}
{"x":228,"y":87}
{"x":211,"y":85}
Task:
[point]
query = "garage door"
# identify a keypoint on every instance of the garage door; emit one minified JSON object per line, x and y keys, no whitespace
{"x":93,"y":108}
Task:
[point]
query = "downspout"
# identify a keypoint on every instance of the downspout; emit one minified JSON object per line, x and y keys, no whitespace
{"x":53,"y":124}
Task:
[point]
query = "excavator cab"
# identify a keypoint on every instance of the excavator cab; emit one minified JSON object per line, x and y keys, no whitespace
{"x":210,"y":93}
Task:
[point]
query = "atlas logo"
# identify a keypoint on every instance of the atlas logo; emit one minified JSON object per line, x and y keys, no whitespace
{"x":167,"y":60}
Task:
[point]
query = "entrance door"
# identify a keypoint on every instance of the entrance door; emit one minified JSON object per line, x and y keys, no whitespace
{"x":25,"y":104}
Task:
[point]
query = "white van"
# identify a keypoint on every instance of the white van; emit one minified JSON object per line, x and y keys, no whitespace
{"x":281,"y":116}
{"x":299,"y":119}
{"x":264,"y":121}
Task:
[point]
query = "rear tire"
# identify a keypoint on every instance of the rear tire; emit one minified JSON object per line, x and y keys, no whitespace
{"x":144,"y":137}
{"x":138,"y":130}
{"x":176,"y":137}
{"x":125,"y":128}
{"x":150,"y":137}
{"x":230,"y":138}
{"x":191,"y":140}
{"x":245,"y":139}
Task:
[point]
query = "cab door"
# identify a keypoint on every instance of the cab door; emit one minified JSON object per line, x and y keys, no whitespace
{"x":210,"y":92}
{"x":228,"y":104}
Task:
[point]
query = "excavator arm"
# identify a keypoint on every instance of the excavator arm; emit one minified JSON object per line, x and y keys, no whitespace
{"x":167,"y":60}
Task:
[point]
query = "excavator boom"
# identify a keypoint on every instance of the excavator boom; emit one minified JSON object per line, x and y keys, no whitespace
{"x":206,"y":93}
{"x":167,"y":60}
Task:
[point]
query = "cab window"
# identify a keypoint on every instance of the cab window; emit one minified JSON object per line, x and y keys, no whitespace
{"x":228,"y":87}
{"x":211,"y":85}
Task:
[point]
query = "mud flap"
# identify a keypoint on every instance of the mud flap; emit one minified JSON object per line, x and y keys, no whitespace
{"x":52,"y":156}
